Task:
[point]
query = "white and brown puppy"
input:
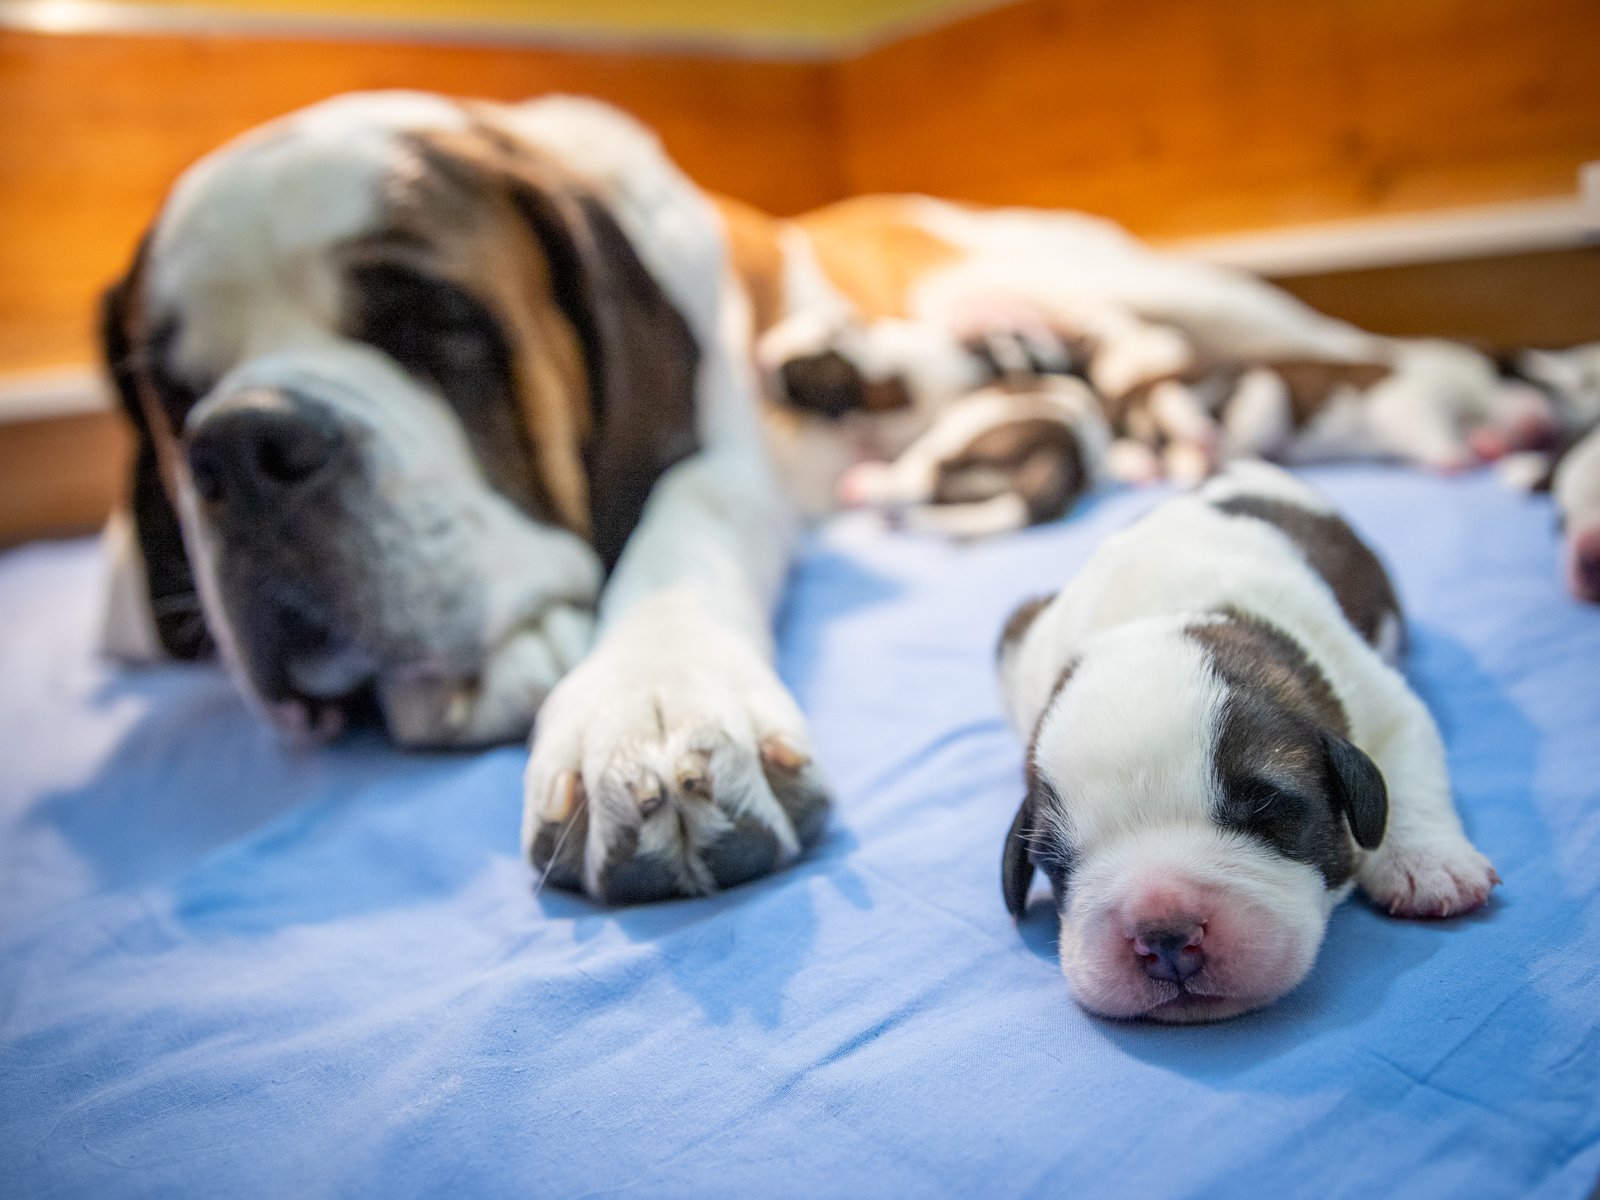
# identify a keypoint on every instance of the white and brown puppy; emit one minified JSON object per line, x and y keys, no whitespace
{"x":446,"y":406}
{"x":1219,"y":749}
{"x":877,"y":313}
{"x":1006,"y":456}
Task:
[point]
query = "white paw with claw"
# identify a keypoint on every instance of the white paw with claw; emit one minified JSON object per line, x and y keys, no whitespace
{"x":1444,"y":878}
{"x":670,"y":762}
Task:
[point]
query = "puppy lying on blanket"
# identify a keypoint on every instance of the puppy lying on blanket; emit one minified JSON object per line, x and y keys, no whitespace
{"x":1219,"y":749}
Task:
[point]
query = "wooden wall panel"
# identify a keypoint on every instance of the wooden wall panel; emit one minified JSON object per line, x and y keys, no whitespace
{"x":60,"y":476}
{"x":1191,"y":117}
{"x":93,"y":130}
{"x":1502,"y":303}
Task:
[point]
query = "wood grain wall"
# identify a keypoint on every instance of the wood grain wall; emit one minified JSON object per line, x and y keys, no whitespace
{"x":93,"y":130}
{"x":1190,"y":117}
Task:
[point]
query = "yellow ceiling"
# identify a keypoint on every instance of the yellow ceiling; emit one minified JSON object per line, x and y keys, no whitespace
{"x":801,"y":25}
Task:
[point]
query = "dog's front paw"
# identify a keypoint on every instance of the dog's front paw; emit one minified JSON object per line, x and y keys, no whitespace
{"x":1443,"y":878}
{"x":671,"y":762}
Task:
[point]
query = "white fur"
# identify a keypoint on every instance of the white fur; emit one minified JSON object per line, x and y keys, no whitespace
{"x":1128,"y":742}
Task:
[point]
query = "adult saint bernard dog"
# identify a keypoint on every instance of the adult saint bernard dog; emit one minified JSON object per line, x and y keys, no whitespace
{"x":1219,"y":750}
{"x":446,"y":406}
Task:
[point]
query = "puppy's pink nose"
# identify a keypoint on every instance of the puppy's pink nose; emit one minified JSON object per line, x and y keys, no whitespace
{"x":1171,"y":952}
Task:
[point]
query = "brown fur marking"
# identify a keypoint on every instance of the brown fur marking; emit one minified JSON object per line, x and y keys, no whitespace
{"x":872,"y":253}
{"x":755,"y":257}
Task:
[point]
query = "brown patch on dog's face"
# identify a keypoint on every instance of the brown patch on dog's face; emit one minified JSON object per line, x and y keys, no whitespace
{"x":872,"y":253}
{"x":456,"y":226}
{"x":1286,"y":774}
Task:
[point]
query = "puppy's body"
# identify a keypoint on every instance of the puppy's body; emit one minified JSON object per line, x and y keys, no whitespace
{"x":1218,"y":752}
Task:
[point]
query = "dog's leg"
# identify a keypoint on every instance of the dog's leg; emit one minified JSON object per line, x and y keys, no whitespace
{"x":1425,"y":866}
{"x":673,"y":760}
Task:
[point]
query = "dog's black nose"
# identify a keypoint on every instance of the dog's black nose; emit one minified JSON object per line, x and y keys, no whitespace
{"x":260,"y":445}
{"x":1171,"y":954}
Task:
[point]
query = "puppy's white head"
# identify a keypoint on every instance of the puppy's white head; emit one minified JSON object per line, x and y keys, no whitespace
{"x":1197,"y":809}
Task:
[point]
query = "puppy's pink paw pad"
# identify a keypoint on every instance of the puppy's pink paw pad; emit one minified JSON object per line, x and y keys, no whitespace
{"x":1434,"y":881}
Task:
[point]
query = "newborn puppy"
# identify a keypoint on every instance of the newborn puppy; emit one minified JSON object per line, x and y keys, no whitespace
{"x":1014,"y":454}
{"x":1220,"y":749}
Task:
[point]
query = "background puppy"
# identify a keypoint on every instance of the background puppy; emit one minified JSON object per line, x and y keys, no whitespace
{"x":1219,"y":749}
{"x":1013,"y":454}
{"x":875,"y":314}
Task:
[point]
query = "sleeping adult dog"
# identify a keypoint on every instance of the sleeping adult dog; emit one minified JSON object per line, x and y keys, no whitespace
{"x":431,"y":396}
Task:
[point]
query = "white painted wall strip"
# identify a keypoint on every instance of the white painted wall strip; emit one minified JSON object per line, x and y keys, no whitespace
{"x":57,"y":392}
{"x":1558,"y":223}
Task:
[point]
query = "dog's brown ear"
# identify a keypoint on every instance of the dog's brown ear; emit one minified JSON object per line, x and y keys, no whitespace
{"x":640,"y":355}
{"x":174,"y":602}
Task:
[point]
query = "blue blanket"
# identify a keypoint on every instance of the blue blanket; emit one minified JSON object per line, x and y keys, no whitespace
{"x":232,"y":969}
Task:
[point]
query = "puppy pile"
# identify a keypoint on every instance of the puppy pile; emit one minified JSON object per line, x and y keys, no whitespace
{"x":875,"y":315}
{"x":1219,"y":750}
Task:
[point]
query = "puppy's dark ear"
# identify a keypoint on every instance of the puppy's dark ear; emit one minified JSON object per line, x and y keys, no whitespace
{"x":174,"y":600}
{"x":1016,"y":861}
{"x":1359,"y":791}
{"x":639,"y":352}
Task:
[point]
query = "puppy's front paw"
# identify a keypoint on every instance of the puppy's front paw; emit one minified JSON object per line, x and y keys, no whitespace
{"x":670,"y":765}
{"x":1443,"y":878}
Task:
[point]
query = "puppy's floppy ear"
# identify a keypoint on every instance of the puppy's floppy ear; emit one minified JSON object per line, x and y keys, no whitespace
{"x":639,"y":352}
{"x":174,"y":600}
{"x":1028,"y":834}
{"x":1358,"y":790}
{"x":1016,"y":861}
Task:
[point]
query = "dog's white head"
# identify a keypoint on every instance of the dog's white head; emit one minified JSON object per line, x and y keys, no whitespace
{"x":1197,"y":810}
{"x":403,"y":385}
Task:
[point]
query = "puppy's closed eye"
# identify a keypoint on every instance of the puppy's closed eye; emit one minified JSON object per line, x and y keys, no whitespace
{"x":1264,"y":809}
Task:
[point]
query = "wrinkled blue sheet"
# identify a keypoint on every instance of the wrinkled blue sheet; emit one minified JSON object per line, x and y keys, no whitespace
{"x":232,"y":969}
